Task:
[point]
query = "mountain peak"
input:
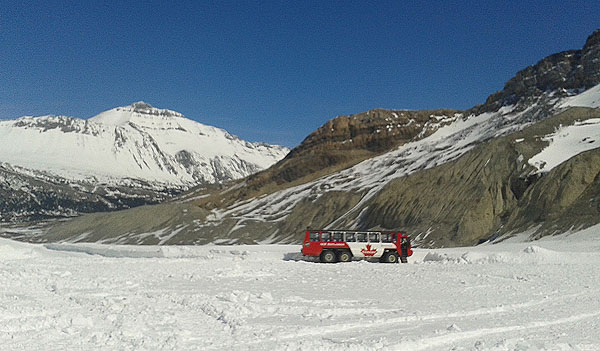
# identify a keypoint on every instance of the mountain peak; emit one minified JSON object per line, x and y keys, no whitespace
{"x":123,"y":115}
{"x":563,"y":72}
{"x":593,"y":39}
{"x":141,"y":105}
{"x":147,"y":109}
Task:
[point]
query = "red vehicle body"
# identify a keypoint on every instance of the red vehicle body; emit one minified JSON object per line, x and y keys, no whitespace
{"x":343,"y":245}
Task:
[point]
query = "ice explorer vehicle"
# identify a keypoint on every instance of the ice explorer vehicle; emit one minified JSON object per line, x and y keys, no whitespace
{"x":343,"y":245}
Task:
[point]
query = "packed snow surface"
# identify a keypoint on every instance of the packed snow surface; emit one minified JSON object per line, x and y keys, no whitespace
{"x":540,"y":295}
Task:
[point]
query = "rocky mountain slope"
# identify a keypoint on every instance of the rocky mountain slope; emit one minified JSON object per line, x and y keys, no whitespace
{"x":447,"y":178}
{"x":341,"y":143}
{"x":497,"y":189}
{"x":35,"y":195}
{"x":55,"y":166}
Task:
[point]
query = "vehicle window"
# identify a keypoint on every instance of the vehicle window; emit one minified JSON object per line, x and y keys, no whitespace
{"x":350,"y":237}
{"x":338,"y":236}
{"x":361,"y":237}
{"x":386,"y":238}
{"x":374,"y":237}
{"x":325,"y":237}
{"x":314,"y":237}
{"x":394,"y":238}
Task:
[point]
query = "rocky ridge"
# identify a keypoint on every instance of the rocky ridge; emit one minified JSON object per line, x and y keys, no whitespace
{"x":563,"y":74}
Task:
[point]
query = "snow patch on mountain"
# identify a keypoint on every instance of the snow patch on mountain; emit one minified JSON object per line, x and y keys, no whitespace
{"x":133,"y":142}
{"x":589,"y":98}
{"x":566,"y":143}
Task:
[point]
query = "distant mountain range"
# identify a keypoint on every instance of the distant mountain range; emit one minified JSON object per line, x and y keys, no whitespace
{"x":123,"y":157}
{"x":525,"y":161}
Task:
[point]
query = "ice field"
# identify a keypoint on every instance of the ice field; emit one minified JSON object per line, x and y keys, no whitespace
{"x":541,"y":295}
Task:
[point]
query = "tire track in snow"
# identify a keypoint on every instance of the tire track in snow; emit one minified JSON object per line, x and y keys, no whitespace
{"x":10,"y":317}
{"x":378,"y":323}
{"x":436,"y":341}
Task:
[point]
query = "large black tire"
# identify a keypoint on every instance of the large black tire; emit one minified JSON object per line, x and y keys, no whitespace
{"x":328,"y":256}
{"x":404,"y":259}
{"x":390,"y":257}
{"x":344,"y":256}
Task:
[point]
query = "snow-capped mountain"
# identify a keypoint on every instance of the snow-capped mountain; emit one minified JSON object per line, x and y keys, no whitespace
{"x":27,"y":195}
{"x":120,"y":158}
{"x":133,"y":143}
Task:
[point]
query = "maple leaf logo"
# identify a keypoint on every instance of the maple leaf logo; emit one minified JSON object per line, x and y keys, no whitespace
{"x":368,"y":251}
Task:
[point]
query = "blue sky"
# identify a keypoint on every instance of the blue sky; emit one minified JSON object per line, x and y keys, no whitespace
{"x":273,"y":71}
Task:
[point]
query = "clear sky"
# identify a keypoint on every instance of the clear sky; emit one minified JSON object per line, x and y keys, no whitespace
{"x":273,"y":71}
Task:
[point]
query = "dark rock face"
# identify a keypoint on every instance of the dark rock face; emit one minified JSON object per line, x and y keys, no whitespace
{"x":565,"y":73}
{"x":590,"y":58}
{"x":63,"y":123}
{"x":376,"y":130}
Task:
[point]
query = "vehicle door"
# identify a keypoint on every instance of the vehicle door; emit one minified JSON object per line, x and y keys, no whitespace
{"x":376,"y":244}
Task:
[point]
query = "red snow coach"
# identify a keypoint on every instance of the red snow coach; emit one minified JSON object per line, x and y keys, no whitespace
{"x":342,"y":245}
